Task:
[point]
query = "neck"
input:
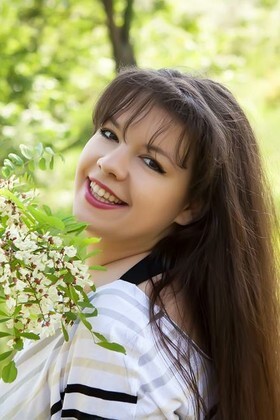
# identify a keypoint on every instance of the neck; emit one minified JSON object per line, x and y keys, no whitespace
{"x":116,"y":262}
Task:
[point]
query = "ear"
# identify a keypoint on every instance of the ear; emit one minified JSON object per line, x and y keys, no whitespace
{"x":185,"y":216}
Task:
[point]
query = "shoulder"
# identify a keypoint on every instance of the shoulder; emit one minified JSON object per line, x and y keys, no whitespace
{"x":122,"y":318}
{"x":146,"y":370}
{"x":80,"y":376}
{"x":99,"y":381}
{"x":123,"y":310}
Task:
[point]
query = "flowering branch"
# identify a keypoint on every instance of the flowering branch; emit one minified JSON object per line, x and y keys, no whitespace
{"x":42,"y":268}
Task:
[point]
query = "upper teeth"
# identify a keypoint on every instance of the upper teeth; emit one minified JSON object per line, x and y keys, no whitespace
{"x":104,"y":195}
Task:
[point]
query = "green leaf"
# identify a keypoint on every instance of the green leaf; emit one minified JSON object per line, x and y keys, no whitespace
{"x":47,"y":210}
{"x":82,"y":242}
{"x":75,"y":227}
{"x":70,"y":316}
{"x":4,"y":334}
{"x":9,"y":164}
{"x":28,"y":177}
{"x":4,"y":320}
{"x":26,"y":151}
{"x":85,"y":322}
{"x":2,"y":313}
{"x":97,"y":267}
{"x":17,"y":160}
{"x":92,"y":254}
{"x":39,"y":149}
{"x":8,"y":194}
{"x":19,"y":344}
{"x":67,"y":219}
{"x":27,"y":221}
{"x":93,"y":287}
{"x":64,"y":272}
{"x":99,"y":336}
{"x":91,"y":314}
{"x":42,"y":164}
{"x":4,"y":356}
{"x":49,"y":150}
{"x":73,"y":294}
{"x":9,"y":372}
{"x":17,"y":310}
{"x":30,"y":336}
{"x":92,"y":240}
{"x":65,"y":333}
{"x":31,"y":166}
{"x":112,"y":346}
{"x":6,"y":172}
{"x":80,"y":289}
{"x":84,"y":305}
{"x":67,"y":277}
{"x":43,"y":218}
{"x":51,"y":163}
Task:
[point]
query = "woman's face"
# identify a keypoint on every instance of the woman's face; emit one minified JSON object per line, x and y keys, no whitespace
{"x":129,"y":193}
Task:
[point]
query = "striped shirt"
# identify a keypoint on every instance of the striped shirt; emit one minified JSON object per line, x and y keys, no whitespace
{"x":80,"y":380}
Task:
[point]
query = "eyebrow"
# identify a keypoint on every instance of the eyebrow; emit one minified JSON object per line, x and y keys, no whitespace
{"x":157,"y":149}
{"x":114,"y":121}
{"x":149,"y":147}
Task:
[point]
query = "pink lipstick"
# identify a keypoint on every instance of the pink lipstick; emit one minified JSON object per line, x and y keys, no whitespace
{"x":93,"y":201}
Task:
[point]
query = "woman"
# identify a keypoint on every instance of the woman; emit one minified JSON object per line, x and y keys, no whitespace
{"x":172,"y":182}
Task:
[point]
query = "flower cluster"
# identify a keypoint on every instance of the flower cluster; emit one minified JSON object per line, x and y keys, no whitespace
{"x":34,"y":271}
{"x":43,"y":274}
{"x":42,"y":278}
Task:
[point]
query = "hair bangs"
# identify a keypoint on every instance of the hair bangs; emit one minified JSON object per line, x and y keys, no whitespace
{"x":119,"y":98}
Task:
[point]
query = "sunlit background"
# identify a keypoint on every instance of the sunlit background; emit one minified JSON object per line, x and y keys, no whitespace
{"x":57,"y":55}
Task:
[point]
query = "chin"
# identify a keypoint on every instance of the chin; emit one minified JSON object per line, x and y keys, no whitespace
{"x":79,"y":215}
{"x":75,"y":212}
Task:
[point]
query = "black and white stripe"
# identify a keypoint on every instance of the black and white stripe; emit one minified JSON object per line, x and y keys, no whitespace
{"x":81,"y":380}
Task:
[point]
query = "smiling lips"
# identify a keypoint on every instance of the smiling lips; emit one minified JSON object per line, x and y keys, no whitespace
{"x":103,"y":195}
{"x":100,"y":197}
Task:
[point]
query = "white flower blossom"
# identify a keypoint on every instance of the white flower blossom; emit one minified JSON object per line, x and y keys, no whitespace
{"x":7,"y":289}
{"x":50,"y":264}
{"x":23,"y":255}
{"x":70,"y":251}
{"x":55,"y":255}
{"x":23,"y":298}
{"x":3,"y":257}
{"x":33,"y":267}
{"x":10,"y":343}
{"x":57,"y":241}
{"x":10,"y":323}
{"x":20,"y":285}
{"x":25,"y":244}
{"x":14,"y":231}
{"x":10,"y":303}
{"x":48,"y":330}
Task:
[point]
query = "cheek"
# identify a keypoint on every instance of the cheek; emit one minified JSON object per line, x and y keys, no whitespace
{"x":85,"y":159}
{"x":160,"y":199}
{"x":174,"y":192}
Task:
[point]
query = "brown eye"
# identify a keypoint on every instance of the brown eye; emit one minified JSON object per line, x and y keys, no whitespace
{"x":108,"y":134}
{"x":151,"y":163}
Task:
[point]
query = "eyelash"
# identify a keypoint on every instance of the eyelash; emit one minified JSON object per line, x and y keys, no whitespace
{"x":105,"y":130}
{"x":156,"y":166}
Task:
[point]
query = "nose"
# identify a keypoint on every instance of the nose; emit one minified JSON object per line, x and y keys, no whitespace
{"x":115,"y":163}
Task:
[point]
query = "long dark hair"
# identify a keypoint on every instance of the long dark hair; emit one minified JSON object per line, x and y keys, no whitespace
{"x":223,"y":261}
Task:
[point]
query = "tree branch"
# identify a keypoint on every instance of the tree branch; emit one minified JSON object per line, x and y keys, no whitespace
{"x":119,"y":35}
{"x":127,"y":19}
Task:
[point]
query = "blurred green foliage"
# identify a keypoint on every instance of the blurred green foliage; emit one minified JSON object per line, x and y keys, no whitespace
{"x":56,"y":57}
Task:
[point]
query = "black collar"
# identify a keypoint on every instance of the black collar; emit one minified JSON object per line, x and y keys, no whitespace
{"x":143,"y":270}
